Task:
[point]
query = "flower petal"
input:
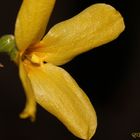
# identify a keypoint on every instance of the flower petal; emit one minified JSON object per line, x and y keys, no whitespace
{"x":30,"y":108}
{"x":95,"y":26}
{"x":59,"y":94}
{"x":31,"y":21}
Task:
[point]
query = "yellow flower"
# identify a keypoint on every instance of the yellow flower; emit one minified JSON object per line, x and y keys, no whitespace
{"x":39,"y":57}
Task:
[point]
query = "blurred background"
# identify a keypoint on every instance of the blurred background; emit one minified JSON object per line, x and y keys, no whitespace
{"x":110,"y":75}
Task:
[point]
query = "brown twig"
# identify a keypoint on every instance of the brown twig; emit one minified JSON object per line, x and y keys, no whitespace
{"x":1,"y":65}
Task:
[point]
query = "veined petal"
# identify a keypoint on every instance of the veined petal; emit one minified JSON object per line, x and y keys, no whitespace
{"x":59,"y":94}
{"x":30,"y":108}
{"x":95,"y":26}
{"x":31,"y":21}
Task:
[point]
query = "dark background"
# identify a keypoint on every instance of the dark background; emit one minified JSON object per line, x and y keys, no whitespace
{"x":110,"y":75}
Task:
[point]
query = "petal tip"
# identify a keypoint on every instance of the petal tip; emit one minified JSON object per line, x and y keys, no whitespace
{"x":28,"y":113}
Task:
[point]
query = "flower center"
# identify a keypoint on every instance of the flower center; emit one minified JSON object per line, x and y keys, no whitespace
{"x":33,"y":56}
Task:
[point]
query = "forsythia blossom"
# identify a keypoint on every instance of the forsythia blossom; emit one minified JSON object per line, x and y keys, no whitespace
{"x":38,"y":59}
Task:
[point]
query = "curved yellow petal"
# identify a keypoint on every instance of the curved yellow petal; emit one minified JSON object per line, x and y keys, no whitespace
{"x":31,"y":21}
{"x":30,"y":108}
{"x":96,"y":25}
{"x":58,"y":93}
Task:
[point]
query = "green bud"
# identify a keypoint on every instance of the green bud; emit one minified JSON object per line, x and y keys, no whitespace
{"x":8,"y":45}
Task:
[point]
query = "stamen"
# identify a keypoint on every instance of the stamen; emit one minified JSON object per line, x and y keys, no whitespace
{"x":35,"y":59}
